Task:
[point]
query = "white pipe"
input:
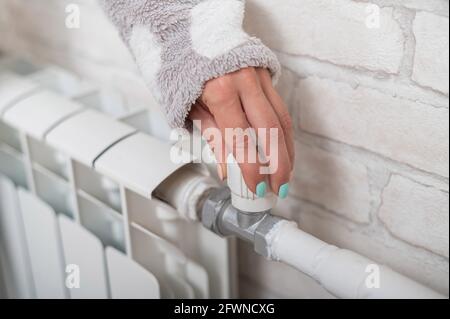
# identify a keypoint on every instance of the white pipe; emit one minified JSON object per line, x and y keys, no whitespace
{"x":342,"y":272}
{"x":185,"y":190}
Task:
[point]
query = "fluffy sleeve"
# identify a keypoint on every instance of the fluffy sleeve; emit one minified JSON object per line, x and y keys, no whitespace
{"x":179,"y":45}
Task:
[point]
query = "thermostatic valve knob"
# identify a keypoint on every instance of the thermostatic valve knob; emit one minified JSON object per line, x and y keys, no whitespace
{"x":242,"y":198}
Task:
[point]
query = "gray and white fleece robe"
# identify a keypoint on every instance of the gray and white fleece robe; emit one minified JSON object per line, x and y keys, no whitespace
{"x":179,"y":45}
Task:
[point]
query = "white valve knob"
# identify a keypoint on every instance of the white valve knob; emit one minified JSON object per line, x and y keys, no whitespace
{"x":243,"y":198}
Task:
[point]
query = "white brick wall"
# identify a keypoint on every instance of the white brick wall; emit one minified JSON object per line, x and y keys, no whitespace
{"x":416,"y":213}
{"x":370,"y":108}
{"x":406,"y":131}
{"x":431,"y":33}
{"x":340,"y":32}
{"x":334,"y":182}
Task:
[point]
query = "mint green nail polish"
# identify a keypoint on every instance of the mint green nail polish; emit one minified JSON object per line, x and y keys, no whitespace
{"x":283,"y":191}
{"x":261,"y":189}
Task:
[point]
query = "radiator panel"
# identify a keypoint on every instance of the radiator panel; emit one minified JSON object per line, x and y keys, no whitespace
{"x":101,"y":218}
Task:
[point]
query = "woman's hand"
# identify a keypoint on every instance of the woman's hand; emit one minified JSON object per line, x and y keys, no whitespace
{"x":242,"y":100}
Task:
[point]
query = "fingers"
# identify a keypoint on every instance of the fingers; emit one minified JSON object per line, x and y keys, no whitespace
{"x":224,"y":103}
{"x":261,"y":115}
{"x":281,"y":111}
{"x":204,"y":121}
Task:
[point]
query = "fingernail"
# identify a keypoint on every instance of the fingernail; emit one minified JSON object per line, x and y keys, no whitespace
{"x":261,"y":189}
{"x":283,"y":191}
{"x":220,"y":172}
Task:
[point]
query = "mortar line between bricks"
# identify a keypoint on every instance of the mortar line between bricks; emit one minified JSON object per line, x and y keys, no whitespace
{"x":405,"y":20}
{"x":349,"y":71}
{"x":420,"y":183}
{"x":390,"y":4}
{"x":382,"y":189}
{"x":416,"y":246}
{"x":331,"y":211}
{"x":375,"y":193}
{"x":368,"y":152}
{"x":323,"y":213}
{"x":357,"y":68}
{"x":424,"y":87}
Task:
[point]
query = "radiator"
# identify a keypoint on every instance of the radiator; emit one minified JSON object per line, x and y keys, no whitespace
{"x":77,"y":221}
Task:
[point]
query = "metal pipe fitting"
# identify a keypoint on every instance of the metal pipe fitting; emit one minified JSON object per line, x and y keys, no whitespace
{"x":219,"y":215}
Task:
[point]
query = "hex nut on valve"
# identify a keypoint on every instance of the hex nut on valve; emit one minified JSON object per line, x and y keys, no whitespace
{"x":219,"y":216}
{"x":213,"y":206}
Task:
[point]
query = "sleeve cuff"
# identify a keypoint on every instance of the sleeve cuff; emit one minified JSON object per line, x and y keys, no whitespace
{"x":182,"y":82}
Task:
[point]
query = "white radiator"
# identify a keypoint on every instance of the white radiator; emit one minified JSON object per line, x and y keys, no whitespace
{"x":78,"y":220}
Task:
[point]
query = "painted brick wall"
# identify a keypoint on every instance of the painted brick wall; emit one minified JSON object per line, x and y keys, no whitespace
{"x":367,"y":85}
